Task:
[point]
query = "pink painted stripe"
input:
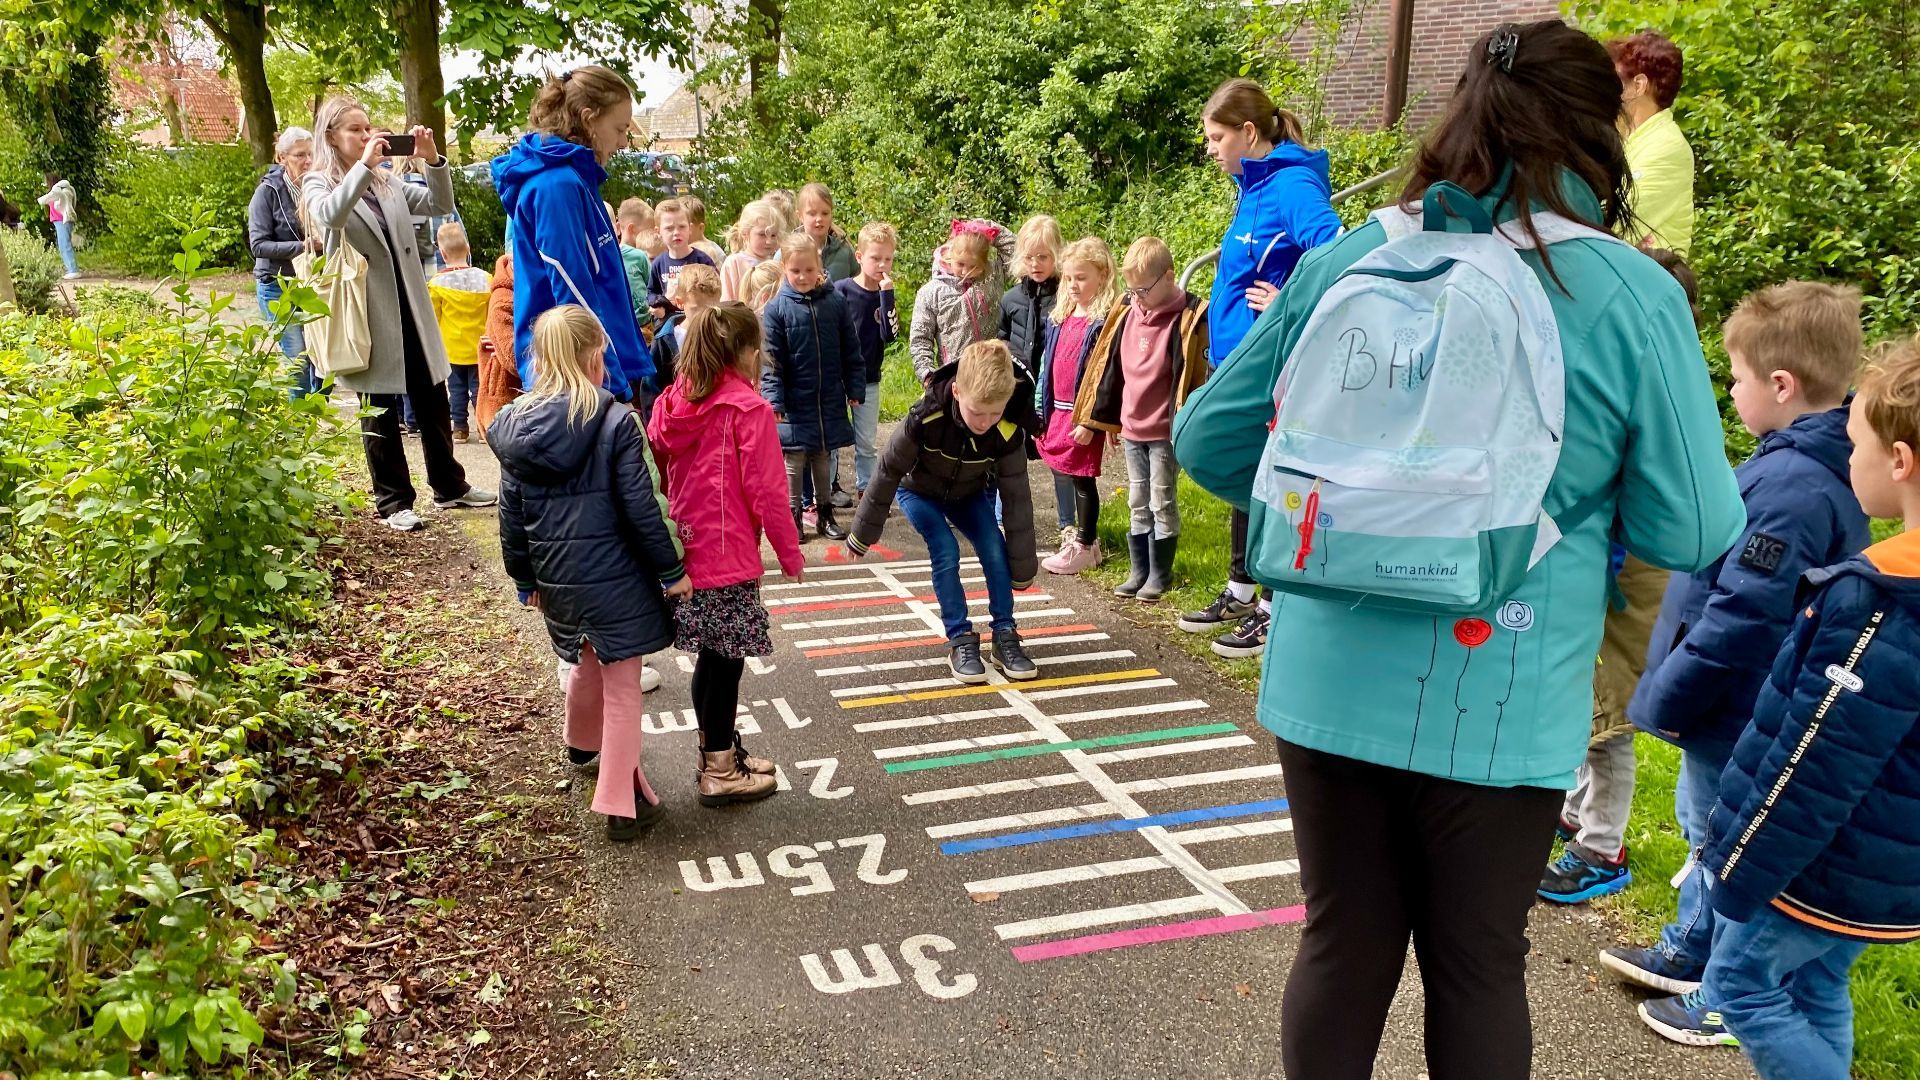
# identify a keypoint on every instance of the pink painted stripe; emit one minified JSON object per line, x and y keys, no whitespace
{"x":1150,"y":935}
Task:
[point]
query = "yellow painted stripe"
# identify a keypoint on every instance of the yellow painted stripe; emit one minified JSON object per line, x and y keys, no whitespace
{"x":968,"y":691}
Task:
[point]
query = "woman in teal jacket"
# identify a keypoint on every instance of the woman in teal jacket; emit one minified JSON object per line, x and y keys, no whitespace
{"x":1424,"y":788}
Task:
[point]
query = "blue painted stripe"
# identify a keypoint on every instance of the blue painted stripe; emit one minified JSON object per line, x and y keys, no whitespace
{"x":1096,"y":828}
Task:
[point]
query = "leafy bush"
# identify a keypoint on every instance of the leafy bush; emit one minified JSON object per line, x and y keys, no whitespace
{"x":160,"y":507}
{"x":154,"y":464}
{"x":36,"y":271}
{"x":1797,"y":112}
{"x":482,"y":215}
{"x":160,"y":196}
{"x":116,"y":301}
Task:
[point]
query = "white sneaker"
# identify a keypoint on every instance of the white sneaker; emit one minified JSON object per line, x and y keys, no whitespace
{"x":405,"y":521}
{"x":75,"y":276}
{"x":473,"y":497}
{"x":649,"y":679}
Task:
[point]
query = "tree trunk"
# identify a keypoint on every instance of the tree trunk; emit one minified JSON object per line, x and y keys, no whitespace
{"x":177,"y":133}
{"x":763,"y":55}
{"x":241,"y":28}
{"x":417,"y":24}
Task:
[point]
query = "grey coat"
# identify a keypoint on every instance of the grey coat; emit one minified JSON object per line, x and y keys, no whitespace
{"x":338,"y":210}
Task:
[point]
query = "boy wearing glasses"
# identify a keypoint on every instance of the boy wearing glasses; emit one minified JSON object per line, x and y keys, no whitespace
{"x":1150,"y":355}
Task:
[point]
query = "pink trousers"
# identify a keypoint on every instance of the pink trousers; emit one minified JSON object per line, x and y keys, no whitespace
{"x":603,"y":713}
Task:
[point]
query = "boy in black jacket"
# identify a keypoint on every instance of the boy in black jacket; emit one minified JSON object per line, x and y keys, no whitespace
{"x":961,"y":441}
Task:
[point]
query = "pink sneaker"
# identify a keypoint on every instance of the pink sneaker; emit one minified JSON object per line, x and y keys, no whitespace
{"x":1073,"y":557}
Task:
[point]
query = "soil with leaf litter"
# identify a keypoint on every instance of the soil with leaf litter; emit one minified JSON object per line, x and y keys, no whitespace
{"x":440,"y":926}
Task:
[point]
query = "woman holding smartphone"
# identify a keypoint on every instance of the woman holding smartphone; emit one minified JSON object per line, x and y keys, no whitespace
{"x":349,"y":198}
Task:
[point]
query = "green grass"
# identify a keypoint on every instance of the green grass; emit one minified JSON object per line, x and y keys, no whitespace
{"x":1886,"y":983}
{"x":899,"y":389}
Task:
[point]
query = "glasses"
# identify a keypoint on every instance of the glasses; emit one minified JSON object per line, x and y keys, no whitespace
{"x":1142,"y":291}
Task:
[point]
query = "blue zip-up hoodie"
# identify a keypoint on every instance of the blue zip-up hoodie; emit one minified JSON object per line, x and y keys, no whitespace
{"x":1818,"y":813}
{"x":564,"y":252}
{"x":1283,"y":211}
{"x":1720,"y":628}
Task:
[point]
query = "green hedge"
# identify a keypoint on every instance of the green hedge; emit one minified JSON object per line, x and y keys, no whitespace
{"x":36,"y":270}
{"x":162,"y":506}
{"x":160,"y":194}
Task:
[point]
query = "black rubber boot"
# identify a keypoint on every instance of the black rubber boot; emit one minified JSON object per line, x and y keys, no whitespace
{"x":1160,"y":575}
{"x":799,"y":520}
{"x":1137,"y":550}
{"x":828,"y":527}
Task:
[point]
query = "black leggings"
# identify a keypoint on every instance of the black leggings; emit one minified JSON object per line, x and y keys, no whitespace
{"x":1238,"y":525}
{"x":1386,"y":855}
{"x":716,"y":697}
{"x":1086,"y":507}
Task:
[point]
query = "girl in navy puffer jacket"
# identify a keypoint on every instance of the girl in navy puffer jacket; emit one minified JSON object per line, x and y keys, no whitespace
{"x":814,"y":374}
{"x":585,"y":535}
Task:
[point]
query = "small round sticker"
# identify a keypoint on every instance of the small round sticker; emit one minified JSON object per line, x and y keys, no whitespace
{"x":1516,"y":615}
{"x":1293,"y":500}
{"x":1472,"y":633}
{"x":1325,"y":520}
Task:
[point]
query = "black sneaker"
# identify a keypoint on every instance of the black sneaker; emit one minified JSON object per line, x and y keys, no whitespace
{"x":1011,"y":657}
{"x":1247,"y":639}
{"x":581,"y":759}
{"x":1224,"y":611}
{"x":840,"y":499}
{"x":963,"y":656}
{"x":621,"y":829}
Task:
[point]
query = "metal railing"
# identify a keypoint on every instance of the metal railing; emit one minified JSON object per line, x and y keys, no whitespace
{"x":1361,"y":188}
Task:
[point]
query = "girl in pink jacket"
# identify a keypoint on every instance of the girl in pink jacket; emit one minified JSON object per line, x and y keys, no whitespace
{"x":726,"y":485}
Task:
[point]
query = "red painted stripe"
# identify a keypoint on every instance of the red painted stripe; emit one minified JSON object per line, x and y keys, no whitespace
{"x":1151,"y":935}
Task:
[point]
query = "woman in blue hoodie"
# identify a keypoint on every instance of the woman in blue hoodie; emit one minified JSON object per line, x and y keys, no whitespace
{"x":1283,"y":210}
{"x":563,"y":244}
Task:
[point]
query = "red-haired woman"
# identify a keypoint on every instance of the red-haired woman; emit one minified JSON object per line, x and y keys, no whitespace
{"x":1650,"y":70}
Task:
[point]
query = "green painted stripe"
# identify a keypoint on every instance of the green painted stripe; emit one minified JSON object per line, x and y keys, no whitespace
{"x":1055,"y":748}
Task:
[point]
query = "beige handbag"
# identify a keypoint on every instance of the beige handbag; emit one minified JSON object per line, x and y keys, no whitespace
{"x":338,"y":341}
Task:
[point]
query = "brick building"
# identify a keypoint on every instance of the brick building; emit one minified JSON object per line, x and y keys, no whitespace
{"x":1443,"y":30}
{"x":184,"y":101}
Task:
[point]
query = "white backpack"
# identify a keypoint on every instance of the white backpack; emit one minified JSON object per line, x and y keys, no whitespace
{"x":1418,"y":420}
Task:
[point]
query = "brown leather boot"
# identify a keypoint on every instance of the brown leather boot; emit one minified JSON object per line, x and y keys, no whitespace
{"x":751,"y":763}
{"x":723,"y":781}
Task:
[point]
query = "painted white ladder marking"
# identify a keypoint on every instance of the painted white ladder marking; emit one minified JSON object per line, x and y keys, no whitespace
{"x":1236,"y":831}
{"x":1199,"y":779}
{"x":1130,"y":710}
{"x":941,"y":661}
{"x":950,"y":681}
{"x":1192,"y":746}
{"x":1066,"y":875}
{"x":1179,"y":905}
{"x":870,"y":726}
{"x":981,"y":742}
{"x":900,"y":635}
{"x":1099,"y":688}
{"x":1022,"y":821}
{"x":998,"y":787}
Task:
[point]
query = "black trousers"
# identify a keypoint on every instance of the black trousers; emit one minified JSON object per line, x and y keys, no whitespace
{"x":1086,"y":507}
{"x":385,"y":447}
{"x":1387,"y":855}
{"x":1238,"y":525}
{"x":716,"y":697}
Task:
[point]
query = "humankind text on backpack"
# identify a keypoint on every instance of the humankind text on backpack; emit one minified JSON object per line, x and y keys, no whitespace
{"x":1418,"y":420}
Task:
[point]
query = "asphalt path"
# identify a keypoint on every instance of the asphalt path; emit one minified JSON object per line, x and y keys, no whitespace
{"x":1091,"y":874}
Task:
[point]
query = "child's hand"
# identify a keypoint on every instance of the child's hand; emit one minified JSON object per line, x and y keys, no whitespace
{"x":852,"y":404}
{"x":853,"y":554}
{"x":886,"y":281}
{"x":1083,"y":435}
{"x":1260,"y":294}
{"x":529,"y":598}
{"x":681,"y":589}
{"x":794,"y":578}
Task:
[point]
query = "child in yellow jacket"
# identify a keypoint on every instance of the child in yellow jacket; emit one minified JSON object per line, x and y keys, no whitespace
{"x":460,"y":306}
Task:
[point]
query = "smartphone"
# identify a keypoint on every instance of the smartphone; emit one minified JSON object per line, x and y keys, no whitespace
{"x":399,"y":145}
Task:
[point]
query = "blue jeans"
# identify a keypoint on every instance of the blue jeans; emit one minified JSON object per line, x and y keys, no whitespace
{"x":1688,"y":939}
{"x":463,"y":391}
{"x":63,"y":239}
{"x":1781,"y":987}
{"x":974,"y":518}
{"x":293,"y":342}
{"x":1063,"y":500}
{"x":866,"y":429}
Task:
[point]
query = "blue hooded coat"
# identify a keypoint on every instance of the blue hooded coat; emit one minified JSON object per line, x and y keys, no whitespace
{"x":1283,"y":211}
{"x":814,"y":367}
{"x":1819,"y":809}
{"x":1720,"y":628}
{"x":565,"y":252}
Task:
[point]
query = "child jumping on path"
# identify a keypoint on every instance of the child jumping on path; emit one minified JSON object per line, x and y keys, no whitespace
{"x":726,"y":484}
{"x":1793,"y":350}
{"x":1070,"y":448}
{"x":960,"y":303}
{"x":957,"y":446}
{"x":1150,"y":355}
{"x":585,"y":536}
{"x":1810,"y":844}
{"x":460,"y":294}
{"x":869,"y":296}
{"x":814,"y":374}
